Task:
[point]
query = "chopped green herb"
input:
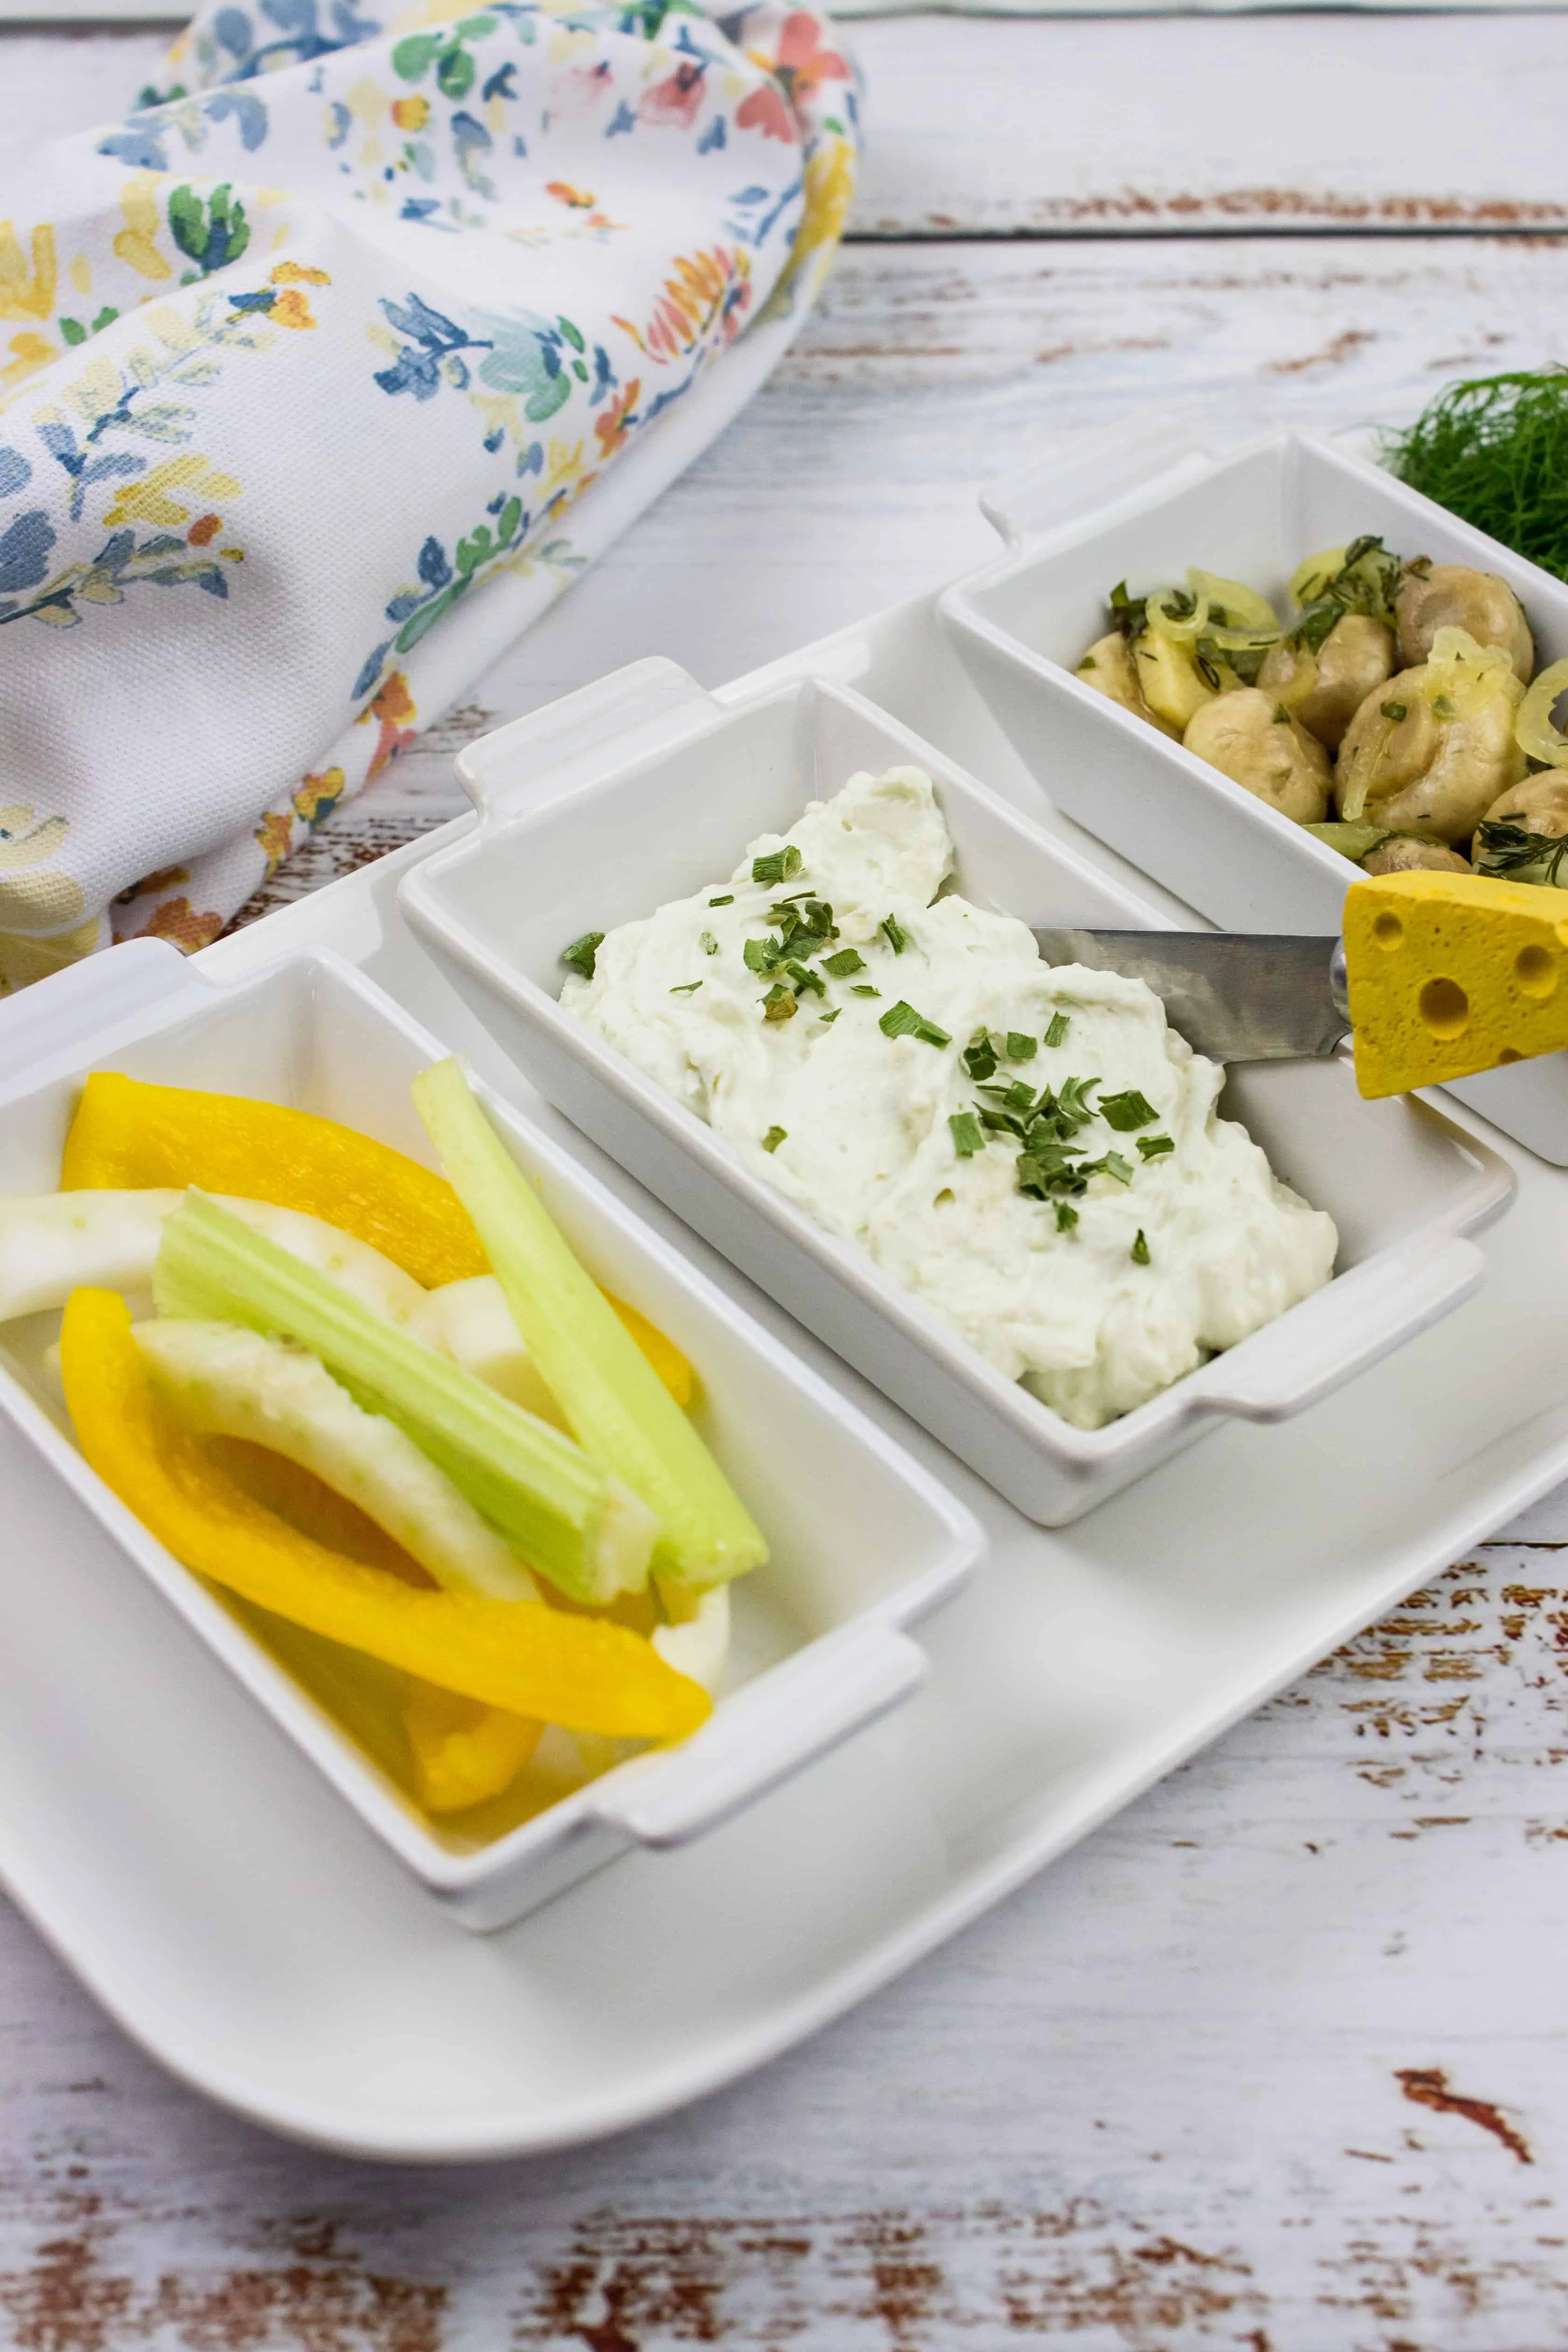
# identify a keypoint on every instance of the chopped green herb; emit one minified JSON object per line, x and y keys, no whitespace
{"x":708,"y":944}
{"x":685,"y":988}
{"x":1128,"y":614}
{"x":1021,"y":1046}
{"x":1066,"y":1216}
{"x":774,"y":1137}
{"x":805,"y":979}
{"x":1019,"y":1096}
{"x":1443,"y":704}
{"x":1057,"y":1033}
{"x":779,"y":1005}
{"x":901,"y":1020}
{"x":1503,"y":847}
{"x":1140,"y":1250}
{"x":727,"y":901}
{"x":1073,"y":1103}
{"x":581,"y":952}
{"x":1154,"y":1147}
{"x":762,"y":955}
{"x":981,"y":1056}
{"x":1089,"y":661}
{"x":967,"y":1138}
{"x":1394,"y":710}
{"x":1126,"y":1111}
{"x":1281,"y":716}
{"x":893,"y":933}
{"x":827,"y":1019}
{"x":1114,"y":1165}
{"x":840,"y":966}
{"x":777,"y":865}
{"x":865,"y":990}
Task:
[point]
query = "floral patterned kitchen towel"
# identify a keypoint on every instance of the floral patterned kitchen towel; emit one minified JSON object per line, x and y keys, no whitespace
{"x":326,"y":369}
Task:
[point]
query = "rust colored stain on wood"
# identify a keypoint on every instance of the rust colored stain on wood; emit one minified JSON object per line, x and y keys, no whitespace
{"x":1142,"y":209}
{"x":1428,"y":2087}
{"x":70,"y":2300}
{"x":1343,"y":347}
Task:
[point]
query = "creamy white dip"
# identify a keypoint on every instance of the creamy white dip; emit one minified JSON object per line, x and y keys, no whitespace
{"x":867,"y":1150}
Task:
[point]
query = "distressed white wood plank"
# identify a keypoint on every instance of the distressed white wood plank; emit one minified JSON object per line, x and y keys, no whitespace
{"x":987,"y":126}
{"x":1192,"y":123}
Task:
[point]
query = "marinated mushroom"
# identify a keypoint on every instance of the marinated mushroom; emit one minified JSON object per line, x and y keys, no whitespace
{"x":1401,"y":855}
{"x":1514,"y":836}
{"x":1251,"y":737}
{"x":1429,"y":752}
{"x":1108,"y":667}
{"x":1453,"y":596}
{"x":1324,"y":690}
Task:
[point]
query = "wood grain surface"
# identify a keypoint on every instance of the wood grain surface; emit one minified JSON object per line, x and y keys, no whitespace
{"x":1276,"y":2060}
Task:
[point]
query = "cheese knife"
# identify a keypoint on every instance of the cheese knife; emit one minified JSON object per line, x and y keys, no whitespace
{"x":1236,"y":996}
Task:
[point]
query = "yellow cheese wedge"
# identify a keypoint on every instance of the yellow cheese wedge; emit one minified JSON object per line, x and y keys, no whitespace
{"x":1451,"y":973}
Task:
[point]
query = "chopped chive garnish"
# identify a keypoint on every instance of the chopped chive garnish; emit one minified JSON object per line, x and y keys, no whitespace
{"x":779,"y":1005}
{"x":893,"y":933}
{"x":1057,"y":1033}
{"x":708,"y":944}
{"x":1021,"y":1046}
{"x":727,"y":901}
{"x":1394,"y":710}
{"x":840,"y":966}
{"x":1126,"y":1111}
{"x":827,"y":1019}
{"x":761,"y":955}
{"x":980,"y":1057}
{"x":777,"y":865}
{"x":967,"y":1138}
{"x":1140,"y":1250}
{"x":864,"y":991}
{"x":1019,"y":1096}
{"x":774,"y":1137}
{"x":685,"y":988}
{"x":901,"y":1020}
{"x":1066,"y":1216}
{"x":1114,"y":1165}
{"x":1154,"y":1147}
{"x":581,"y":952}
{"x":1073,"y":1102}
{"x":805,"y":978}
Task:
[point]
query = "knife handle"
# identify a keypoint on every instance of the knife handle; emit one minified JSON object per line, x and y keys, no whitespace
{"x":1370,"y":1311}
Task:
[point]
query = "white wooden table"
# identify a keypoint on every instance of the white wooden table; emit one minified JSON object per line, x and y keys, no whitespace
{"x":1276,"y":2061}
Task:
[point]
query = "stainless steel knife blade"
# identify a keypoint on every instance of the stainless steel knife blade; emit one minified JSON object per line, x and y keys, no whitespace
{"x":1236,"y":996}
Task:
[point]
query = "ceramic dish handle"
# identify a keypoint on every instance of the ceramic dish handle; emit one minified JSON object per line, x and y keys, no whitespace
{"x":59,"y":1012}
{"x":1087,"y":471}
{"x":632,"y":706}
{"x":1310,"y":1352}
{"x":803,"y":1709}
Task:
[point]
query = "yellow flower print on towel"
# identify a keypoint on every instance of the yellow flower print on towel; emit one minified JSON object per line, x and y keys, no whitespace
{"x":32,"y":898}
{"x":27,"y":293}
{"x":148,"y":500}
{"x":24,"y":961}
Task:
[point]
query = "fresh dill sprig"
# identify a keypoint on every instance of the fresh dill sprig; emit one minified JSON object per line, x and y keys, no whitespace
{"x":1494,"y":450}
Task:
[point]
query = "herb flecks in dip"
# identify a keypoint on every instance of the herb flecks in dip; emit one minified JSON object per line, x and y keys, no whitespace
{"x":1028,"y":1150}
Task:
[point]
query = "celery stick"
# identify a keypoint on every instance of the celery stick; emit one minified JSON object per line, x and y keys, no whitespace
{"x":224,"y":1380}
{"x":615,"y":1404}
{"x":581,"y":1528}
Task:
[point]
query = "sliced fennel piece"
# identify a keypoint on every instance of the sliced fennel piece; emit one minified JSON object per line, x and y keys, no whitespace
{"x":700,"y":1646}
{"x":224,"y":1380}
{"x":584,"y":1530}
{"x":471,"y":1322}
{"x":53,"y":1243}
{"x":614,"y":1403}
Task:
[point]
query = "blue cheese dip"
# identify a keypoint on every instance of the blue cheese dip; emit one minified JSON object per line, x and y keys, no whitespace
{"x":901,"y":1063}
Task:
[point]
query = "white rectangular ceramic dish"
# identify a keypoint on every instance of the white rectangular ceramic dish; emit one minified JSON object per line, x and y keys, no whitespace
{"x":281,"y":1960}
{"x":644,"y":787}
{"x":1022,"y":623}
{"x":863,"y":1540}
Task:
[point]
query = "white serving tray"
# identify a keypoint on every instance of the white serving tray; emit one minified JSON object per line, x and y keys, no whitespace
{"x":275,"y":1958}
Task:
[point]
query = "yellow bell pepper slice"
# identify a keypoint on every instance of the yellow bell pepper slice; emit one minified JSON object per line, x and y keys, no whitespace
{"x":126,"y":1135}
{"x":521,"y":1656}
{"x":463,"y":1752}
